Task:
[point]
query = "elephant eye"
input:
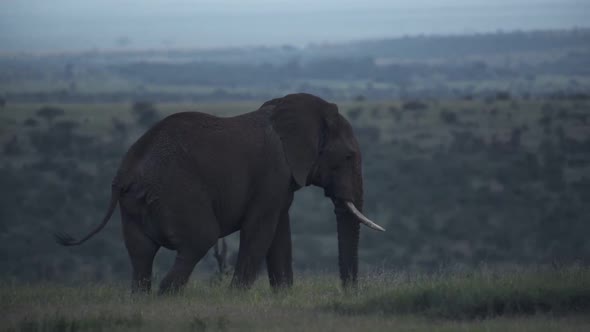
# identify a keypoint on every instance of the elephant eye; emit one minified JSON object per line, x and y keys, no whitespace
{"x":348,"y":157}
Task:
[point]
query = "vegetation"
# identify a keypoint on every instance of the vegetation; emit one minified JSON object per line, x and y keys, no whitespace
{"x":530,"y":299}
{"x":523,"y":64}
{"x":476,"y":161}
{"x":454,"y":182}
{"x":476,"y":294}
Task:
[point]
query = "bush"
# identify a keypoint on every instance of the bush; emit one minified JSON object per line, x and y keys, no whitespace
{"x":449,"y":117}
{"x":503,"y":95}
{"x":354,"y":113}
{"x":49,"y":113}
{"x":30,"y":122}
{"x":414,"y":105}
{"x":145,"y":113}
{"x":12,"y":147}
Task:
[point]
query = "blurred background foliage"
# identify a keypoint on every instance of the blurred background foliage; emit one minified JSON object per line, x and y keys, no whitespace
{"x":472,"y":154}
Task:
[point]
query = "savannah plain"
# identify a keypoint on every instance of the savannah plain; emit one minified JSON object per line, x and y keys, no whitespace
{"x":476,"y":162}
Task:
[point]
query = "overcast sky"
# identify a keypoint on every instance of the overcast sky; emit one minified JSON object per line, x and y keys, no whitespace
{"x":85,"y":24}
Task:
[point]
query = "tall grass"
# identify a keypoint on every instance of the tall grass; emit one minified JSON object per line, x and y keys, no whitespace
{"x":481,"y":293}
{"x":482,"y":299}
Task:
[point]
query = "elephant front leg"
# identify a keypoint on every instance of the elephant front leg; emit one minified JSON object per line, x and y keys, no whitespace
{"x":256,"y":237}
{"x":279,"y":256}
{"x":254,"y":244}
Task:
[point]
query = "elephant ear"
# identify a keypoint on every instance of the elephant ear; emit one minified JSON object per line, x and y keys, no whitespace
{"x":302,"y":122}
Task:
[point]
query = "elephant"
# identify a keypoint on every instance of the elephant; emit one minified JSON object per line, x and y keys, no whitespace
{"x":193,"y":178}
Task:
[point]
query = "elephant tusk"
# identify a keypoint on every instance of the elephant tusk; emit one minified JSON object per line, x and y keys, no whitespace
{"x":366,"y":221}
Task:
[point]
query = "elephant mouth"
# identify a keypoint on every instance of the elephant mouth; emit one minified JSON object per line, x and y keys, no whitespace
{"x":351,"y":208}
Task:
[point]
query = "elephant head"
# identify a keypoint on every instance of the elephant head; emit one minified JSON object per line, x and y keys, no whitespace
{"x":321,"y":150}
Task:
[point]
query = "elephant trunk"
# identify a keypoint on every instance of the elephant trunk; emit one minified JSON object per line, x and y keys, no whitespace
{"x":349,"y":217}
{"x":348,"y":228}
{"x":348,"y":241}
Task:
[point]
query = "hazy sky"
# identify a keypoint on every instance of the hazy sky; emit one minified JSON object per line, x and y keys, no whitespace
{"x":85,"y":24}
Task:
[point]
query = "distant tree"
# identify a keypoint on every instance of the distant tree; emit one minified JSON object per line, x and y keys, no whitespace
{"x":123,"y":41}
{"x":69,"y":71}
{"x":515,"y":137}
{"x":119,"y":128}
{"x":397,"y":113}
{"x":368,"y":134}
{"x":72,"y":87}
{"x":545,"y":121}
{"x":354,"y":113}
{"x":30,"y":122}
{"x":12,"y":147}
{"x":449,"y":117}
{"x":414,"y":105}
{"x":49,"y":113}
{"x":288,"y":48}
{"x":503,"y":95}
{"x":580,"y":96}
{"x":376,"y":112}
{"x":66,"y":126}
{"x":145,"y":113}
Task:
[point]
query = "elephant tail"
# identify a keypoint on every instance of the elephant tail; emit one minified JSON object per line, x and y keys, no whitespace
{"x":66,"y":240}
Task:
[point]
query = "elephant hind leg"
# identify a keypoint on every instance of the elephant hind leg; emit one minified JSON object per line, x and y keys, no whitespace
{"x":141,"y":249}
{"x":188,"y":255}
{"x":192,"y":231}
{"x":180,"y":272}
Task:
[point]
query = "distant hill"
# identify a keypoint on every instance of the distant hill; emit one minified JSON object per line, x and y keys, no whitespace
{"x":524,"y":63}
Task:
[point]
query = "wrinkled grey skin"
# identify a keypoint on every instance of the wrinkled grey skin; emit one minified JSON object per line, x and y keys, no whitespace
{"x":194,"y":177}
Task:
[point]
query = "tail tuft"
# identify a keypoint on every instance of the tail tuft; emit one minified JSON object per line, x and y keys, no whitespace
{"x":64,"y":239}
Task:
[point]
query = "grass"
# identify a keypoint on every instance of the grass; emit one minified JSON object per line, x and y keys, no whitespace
{"x":476,"y":300}
{"x":479,"y":294}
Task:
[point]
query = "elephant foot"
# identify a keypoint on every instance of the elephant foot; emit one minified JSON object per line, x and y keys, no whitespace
{"x":170,"y":288}
{"x":240,"y":285}
{"x":142,"y":286}
{"x":280,"y":286}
